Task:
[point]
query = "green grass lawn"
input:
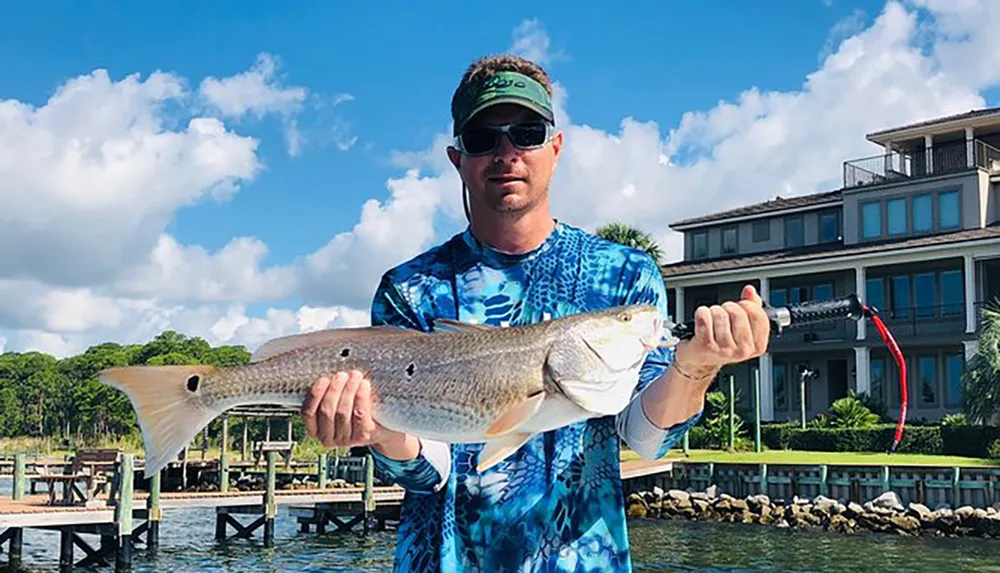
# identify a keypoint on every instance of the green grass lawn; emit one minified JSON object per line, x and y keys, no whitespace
{"x":846,"y":458}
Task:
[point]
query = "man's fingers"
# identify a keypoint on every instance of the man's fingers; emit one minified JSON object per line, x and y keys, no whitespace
{"x":703,"y":324}
{"x":311,"y":404}
{"x":721,"y":329}
{"x":362,"y":427}
{"x":328,"y":410}
{"x":345,"y":409}
{"x":741,"y":330}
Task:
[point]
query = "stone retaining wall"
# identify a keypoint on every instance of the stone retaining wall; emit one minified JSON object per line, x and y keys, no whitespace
{"x":883,"y":514}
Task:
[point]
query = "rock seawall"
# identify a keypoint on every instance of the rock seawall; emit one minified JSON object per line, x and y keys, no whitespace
{"x":884,"y":514}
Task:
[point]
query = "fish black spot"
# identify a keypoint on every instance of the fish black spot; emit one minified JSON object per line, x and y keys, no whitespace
{"x":192,"y":383}
{"x":345,"y":352}
{"x":410,"y":369}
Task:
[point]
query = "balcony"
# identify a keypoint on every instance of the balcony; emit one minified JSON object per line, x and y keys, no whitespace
{"x":913,"y":164}
{"x":921,"y":321}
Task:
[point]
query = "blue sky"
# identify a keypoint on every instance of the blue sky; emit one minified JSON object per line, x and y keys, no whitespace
{"x":757,"y":100}
{"x":401,"y":65}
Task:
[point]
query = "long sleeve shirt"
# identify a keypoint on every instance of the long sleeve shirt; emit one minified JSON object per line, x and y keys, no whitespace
{"x":556,"y":504}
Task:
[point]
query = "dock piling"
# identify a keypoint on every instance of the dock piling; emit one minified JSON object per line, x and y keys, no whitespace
{"x":155,"y":513}
{"x":270,"y":505}
{"x":123,"y":514}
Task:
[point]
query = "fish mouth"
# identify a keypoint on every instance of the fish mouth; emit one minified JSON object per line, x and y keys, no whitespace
{"x":655,"y":338}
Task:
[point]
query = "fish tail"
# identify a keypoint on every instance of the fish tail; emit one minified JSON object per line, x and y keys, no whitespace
{"x":167,"y":403}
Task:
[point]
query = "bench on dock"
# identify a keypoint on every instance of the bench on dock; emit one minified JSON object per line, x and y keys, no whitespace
{"x":285,"y":448}
{"x":90,"y":467}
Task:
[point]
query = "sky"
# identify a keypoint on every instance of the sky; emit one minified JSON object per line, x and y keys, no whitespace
{"x":249,"y":170}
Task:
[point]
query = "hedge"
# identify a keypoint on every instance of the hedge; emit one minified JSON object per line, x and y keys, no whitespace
{"x":968,"y":441}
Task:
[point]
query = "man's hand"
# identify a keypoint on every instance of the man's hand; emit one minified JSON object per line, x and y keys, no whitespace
{"x":337,"y":411}
{"x":729,"y":333}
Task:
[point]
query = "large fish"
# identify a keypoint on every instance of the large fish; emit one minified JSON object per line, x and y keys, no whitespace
{"x":460,"y":383}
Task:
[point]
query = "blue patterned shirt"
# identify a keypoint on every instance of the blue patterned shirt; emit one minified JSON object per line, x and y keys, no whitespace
{"x":556,"y":504}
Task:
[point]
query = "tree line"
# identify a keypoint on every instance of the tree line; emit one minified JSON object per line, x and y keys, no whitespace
{"x":45,"y":397}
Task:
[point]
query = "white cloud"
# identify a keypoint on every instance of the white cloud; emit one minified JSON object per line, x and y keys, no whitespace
{"x":254,"y":91}
{"x":89,"y":179}
{"x":94,"y":261}
{"x":189,"y":272}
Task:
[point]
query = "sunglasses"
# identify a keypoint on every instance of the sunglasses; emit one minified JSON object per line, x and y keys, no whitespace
{"x":484,"y":139}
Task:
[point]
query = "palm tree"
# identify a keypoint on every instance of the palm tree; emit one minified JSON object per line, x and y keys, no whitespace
{"x":981,"y":381}
{"x":631,"y":237}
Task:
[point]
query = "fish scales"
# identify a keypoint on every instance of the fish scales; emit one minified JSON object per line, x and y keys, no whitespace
{"x":463,"y":383}
{"x":420,"y":380}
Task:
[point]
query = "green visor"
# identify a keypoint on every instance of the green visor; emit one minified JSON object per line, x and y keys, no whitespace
{"x":503,"y":87}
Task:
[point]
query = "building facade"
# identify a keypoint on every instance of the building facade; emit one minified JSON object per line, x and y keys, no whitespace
{"x":914,"y":231}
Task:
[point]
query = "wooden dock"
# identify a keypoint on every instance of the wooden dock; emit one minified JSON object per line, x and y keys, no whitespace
{"x":127,"y":517}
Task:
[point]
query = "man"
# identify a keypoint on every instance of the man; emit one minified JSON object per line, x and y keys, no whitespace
{"x":556,"y":504}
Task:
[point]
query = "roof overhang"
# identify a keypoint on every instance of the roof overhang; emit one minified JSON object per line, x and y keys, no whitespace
{"x":945,"y":125}
{"x":753,"y":216}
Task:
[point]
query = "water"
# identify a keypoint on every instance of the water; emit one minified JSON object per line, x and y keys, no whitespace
{"x":187,"y":544}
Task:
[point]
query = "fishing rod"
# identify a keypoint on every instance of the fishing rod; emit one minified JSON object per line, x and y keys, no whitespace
{"x":848,"y":307}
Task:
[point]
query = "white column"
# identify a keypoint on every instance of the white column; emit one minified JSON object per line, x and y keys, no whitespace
{"x":859,"y":288}
{"x":971,"y":347}
{"x":887,"y":158}
{"x":970,"y":294}
{"x":970,"y":158}
{"x":679,"y":304}
{"x":765,"y":288}
{"x":766,"y":388}
{"x":929,"y":151}
{"x":862,"y":369}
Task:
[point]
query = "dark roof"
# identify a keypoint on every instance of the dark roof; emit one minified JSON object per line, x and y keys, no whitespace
{"x":777,"y":204}
{"x":825,"y":251}
{"x":972,"y":114}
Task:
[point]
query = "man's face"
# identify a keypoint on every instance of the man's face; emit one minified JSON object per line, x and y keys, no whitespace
{"x":508,"y":179}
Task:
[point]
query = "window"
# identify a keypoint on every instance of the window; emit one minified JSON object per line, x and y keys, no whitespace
{"x":900,"y":291}
{"x":797,"y":295}
{"x":923,"y":216}
{"x":875,"y":293}
{"x":761,"y":231}
{"x":876,"y":378}
{"x":780,"y":381}
{"x":896,"y":209}
{"x":794,"y":233}
{"x":954,"y":366}
{"x":927,"y":371}
{"x":923,"y":290}
{"x":871,"y":220}
{"x":948,"y":209}
{"x":823,"y":292}
{"x":829,"y":227}
{"x":729,"y":241}
{"x":952,"y":293}
{"x":777,"y":297}
{"x":700,"y":247}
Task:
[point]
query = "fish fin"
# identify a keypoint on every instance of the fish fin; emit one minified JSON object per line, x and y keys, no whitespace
{"x":516,"y":416}
{"x":451,"y":325}
{"x":169,"y":414}
{"x":498,"y":449}
{"x":328,"y":336}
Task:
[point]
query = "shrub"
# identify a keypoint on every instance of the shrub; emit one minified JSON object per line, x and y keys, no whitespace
{"x":993,"y":452}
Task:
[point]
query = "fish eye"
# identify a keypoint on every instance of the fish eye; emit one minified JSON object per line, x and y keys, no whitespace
{"x":626,"y":317}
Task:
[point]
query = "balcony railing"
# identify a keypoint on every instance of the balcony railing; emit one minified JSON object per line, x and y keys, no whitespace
{"x":925,"y":320}
{"x":900,"y":165}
